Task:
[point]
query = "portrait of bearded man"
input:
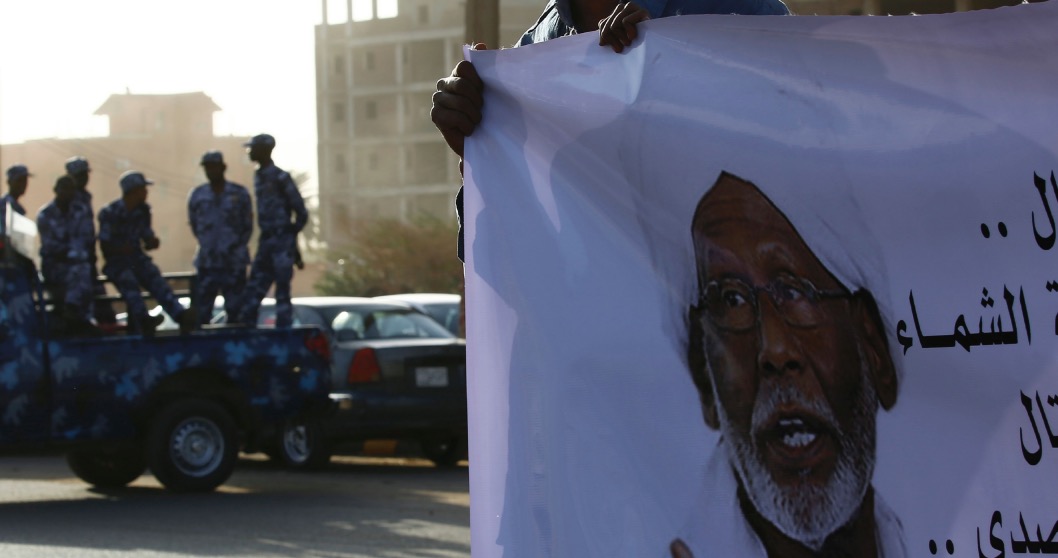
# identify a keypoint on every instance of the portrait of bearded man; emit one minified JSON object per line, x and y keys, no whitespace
{"x":791,"y":366}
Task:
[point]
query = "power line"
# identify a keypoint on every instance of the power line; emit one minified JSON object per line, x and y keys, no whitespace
{"x":99,"y":152}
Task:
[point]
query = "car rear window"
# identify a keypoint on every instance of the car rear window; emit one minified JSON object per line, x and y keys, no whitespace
{"x":445,"y":314}
{"x":353,"y":325}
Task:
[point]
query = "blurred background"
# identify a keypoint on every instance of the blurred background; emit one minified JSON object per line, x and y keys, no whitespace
{"x":343,"y":85}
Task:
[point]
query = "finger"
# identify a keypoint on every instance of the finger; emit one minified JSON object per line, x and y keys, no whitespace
{"x":613,"y":33}
{"x":631,"y":16}
{"x":454,"y":113}
{"x":608,"y":38}
{"x":616,"y":9}
{"x":606,"y":34}
{"x":461,"y":87}
{"x":452,"y":123}
{"x":630,"y":21}
{"x":479,"y":46}
{"x":619,"y":34}
{"x":603,"y":25}
{"x":467,"y":71}
{"x":680,"y":550}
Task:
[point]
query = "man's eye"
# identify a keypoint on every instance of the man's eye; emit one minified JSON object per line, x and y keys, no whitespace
{"x":789,"y":291}
{"x":732,"y":298}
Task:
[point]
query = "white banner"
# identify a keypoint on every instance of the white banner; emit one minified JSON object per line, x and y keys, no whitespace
{"x":768,"y":284}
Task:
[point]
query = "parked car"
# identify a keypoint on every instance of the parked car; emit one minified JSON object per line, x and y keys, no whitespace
{"x":445,"y":308}
{"x":397,"y":375}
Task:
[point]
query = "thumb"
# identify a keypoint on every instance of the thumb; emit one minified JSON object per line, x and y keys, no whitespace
{"x":479,"y":46}
{"x":679,"y":549}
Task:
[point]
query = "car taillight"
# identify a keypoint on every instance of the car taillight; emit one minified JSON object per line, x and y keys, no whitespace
{"x":317,"y":344}
{"x":364,"y":367}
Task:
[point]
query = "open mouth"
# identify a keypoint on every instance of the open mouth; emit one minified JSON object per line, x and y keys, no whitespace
{"x":797,"y":441}
{"x":795,"y":433}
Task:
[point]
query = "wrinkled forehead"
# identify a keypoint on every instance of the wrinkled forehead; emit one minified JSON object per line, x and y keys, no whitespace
{"x":737,"y":230}
{"x":735,"y":204}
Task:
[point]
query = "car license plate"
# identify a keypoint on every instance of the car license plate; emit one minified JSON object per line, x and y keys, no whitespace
{"x":431,"y":376}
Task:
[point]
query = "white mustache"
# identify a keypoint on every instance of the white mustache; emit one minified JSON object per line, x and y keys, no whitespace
{"x":769,"y":401}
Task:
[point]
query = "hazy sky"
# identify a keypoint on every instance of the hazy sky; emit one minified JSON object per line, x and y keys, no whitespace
{"x":60,"y":59}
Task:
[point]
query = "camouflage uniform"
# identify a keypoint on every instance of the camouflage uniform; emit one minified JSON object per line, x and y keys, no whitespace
{"x":277,"y":196}
{"x":103,"y":312}
{"x":74,"y":166}
{"x":222,"y":223}
{"x":128,"y":266}
{"x":14,"y":173}
{"x":66,"y":242}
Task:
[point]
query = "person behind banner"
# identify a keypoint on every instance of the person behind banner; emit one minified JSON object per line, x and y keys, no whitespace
{"x":791,"y":367}
{"x":277,"y":251}
{"x":458,"y":101}
{"x":221,"y":218}
{"x":67,"y":237}
{"x":124,"y":234}
{"x":17,"y":181}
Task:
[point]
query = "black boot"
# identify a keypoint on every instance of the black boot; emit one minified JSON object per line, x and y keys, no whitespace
{"x":145,"y":325}
{"x":75,"y":324}
{"x":188,"y":320}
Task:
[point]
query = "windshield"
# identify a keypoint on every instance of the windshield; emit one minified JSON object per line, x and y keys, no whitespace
{"x":353,"y":325}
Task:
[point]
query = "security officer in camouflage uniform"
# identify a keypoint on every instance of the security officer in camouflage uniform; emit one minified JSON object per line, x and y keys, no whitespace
{"x":78,"y":169}
{"x":17,"y":180}
{"x":67,"y":237}
{"x":124,"y":233}
{"x":221,"y":217}
{"x":277,"y":197}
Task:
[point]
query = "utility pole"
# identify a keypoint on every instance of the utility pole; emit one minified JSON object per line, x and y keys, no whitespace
{"x":483,"y":22}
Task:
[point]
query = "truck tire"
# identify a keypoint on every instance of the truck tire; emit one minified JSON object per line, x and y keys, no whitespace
{"x":301,"y":445}
{"x":192,"y":446}
{"x":444,"y":452}
{"x":111,"y":468}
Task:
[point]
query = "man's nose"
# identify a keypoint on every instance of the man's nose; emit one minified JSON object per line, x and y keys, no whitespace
{"x":779,"y":350}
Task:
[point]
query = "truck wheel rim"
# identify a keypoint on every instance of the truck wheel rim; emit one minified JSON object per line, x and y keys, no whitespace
{"x":197,"y":446}
{"x":296,"y":443}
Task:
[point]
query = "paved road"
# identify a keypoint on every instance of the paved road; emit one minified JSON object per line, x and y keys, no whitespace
{"x":359,"y":507}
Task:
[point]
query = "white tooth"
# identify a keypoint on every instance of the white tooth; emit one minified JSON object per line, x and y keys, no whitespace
{"x":791,"y":422}
{"x":799,"y":439}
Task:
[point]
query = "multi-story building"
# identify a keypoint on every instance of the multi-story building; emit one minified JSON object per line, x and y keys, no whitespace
{"x":162,"y":136}
{"x":379,"y":153}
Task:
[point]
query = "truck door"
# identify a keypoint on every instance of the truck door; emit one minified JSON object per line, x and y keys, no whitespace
{"x":25,"y":399}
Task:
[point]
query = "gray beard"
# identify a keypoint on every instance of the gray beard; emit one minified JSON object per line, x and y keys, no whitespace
{"x":805,"y":512}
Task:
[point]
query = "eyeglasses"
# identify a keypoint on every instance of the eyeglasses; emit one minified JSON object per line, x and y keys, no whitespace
{"x":731,"y":304}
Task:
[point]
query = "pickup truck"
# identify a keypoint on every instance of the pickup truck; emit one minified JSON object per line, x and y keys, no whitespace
{"x":182,"y":406}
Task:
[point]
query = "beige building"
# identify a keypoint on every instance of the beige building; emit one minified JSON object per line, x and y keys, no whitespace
{"x":379,"y":153}
{"x":162,"y":136}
